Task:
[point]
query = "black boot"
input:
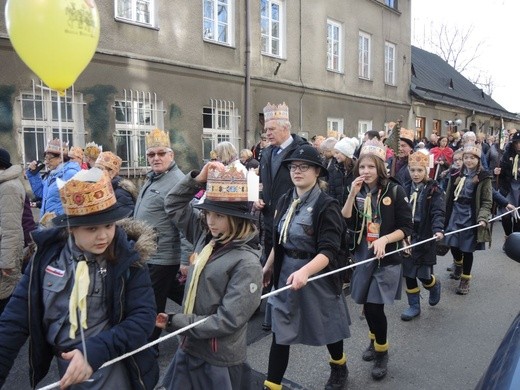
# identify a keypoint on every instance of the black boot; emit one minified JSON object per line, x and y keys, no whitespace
{"x":370,"y":352}
{"x":338,"y":377}
{"x":380,"y":365}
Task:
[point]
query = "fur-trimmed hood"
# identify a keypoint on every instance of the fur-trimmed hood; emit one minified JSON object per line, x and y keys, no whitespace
{"x":143,"y":236}
{"x":130,"y":187}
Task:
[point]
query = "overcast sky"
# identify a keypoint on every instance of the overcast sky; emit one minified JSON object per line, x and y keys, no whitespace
{"x":495,"y":23}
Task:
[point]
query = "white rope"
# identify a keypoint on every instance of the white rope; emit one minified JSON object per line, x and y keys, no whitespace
{"x":275,"y":292}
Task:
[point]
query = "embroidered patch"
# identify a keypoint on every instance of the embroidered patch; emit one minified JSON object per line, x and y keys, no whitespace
{"x":387,"y":201}
{"x":253,"y":287}
{"x":309,"y":209}
{"x":55,"y":271}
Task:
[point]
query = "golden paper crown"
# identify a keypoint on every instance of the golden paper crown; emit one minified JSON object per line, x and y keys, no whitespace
{"x":76,"y":152}
{"x":420,"y":158}
{"x":109,"y":160}
{"x":229,"y":185}
{"x":373,"y":147}
{"x":276,"y":112}
{"x":406,"y":134}
{"x":474,"y":149}
{"x":157,"y":138}
{"x":87,"y":192}
{"x":92,"y":150}
{"x":56,"y":146}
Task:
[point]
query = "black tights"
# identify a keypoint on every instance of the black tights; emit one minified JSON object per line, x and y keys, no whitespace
{"x":466,"y":257}
{"x":411,"y":283}
{"x":510,"y":225}
{"x":376,"y":319}
{"x":279,"y":358}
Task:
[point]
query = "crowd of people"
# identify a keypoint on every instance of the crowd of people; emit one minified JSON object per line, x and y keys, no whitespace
{"x":90,"y":280}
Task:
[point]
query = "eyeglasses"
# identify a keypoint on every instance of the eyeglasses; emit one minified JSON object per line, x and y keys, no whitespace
{"x":301,"y":167}
{"x":50,"y":156}
{"x":160,"y":154}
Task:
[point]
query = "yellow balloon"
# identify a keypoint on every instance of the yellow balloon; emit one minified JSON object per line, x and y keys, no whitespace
{"x":55,"y":38}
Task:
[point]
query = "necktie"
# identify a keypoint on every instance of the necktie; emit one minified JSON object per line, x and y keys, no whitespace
{"x":78,"y":297}
{"x":285,"y":226}
{"x":413,"y":200}
{"x":200,"y":263}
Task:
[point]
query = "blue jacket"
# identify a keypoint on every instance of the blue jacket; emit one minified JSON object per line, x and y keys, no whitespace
{"x":131,"y":306}
{"x":47,"y":189}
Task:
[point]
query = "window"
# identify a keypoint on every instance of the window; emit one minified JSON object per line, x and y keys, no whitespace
{"x":391,"y":3}
{"x":334,"y":46}
{"x":136,"y":114}
{"x":364,"y":56}
{"x":272,"y":27}
{"x":334,"y":127}
{"x":42,"y":117}
{"x":420,"y":124}
{"x":389,"y":63}
{"x":139,"y":11}
{"x":436,"y":126}
{"x":219,"y":123}
{"x":363,"y":127}
{"x":218,"y":21}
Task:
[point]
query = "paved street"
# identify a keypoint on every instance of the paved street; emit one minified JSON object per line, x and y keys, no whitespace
{"x":447,"y":347}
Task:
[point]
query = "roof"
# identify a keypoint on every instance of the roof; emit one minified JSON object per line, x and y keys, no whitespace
{"x":434,"y":80}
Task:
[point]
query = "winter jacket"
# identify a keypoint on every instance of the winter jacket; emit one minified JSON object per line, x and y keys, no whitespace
{"x":482,"y":201}
{"x":273,"y":187}
{"x":130,"y":300}
{"x":431,"y":205}
{"x":12,"y":199}
{"x":149,"y":208}
{"x":126,"y":193}
{"x":339,"y":181}
{"x":229,"y":287}
{"x":506,"y":171}
{"x":395,"y":214}
{"x":47,"y":189}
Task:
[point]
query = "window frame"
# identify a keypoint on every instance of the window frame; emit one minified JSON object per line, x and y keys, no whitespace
{"x":133,"y":18}
{"x":340,"y":126}
{"x":332,"y":24}
{"x":390,"y":68}
{"x":392,"y":4}
{"x":223,"y":127}
{"x":281,"y":28}
{"x":44,"y":125}
{"x":363,"y":127}
{"x":364,"y":69}
{"x":130,"y":133}
{"x":229,"y":23}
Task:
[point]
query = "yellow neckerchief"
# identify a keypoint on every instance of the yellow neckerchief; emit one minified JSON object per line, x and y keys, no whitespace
{"x":200,"y":263}
{"x":78,"y":297}
{"x":515,"y":167}
{"x":459,"y":187}
{"x":367,"y":212}
{"x":413,"y":198}
{"x":285,"y":226}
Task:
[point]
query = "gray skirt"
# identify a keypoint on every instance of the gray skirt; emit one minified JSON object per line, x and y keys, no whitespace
{"x":372,"y":283}
{"x":421,"y":271}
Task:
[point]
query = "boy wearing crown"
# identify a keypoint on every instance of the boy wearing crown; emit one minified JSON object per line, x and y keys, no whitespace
{"x":149,"y":207}
{"x":406,"y":147}
{"x":59,"y":166}
{"x":426,"y":199}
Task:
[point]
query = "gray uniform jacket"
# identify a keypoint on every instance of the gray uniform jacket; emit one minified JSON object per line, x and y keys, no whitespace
{"x":229,"y":287}
{"x":12,"y":198}
{"x":149,"y":208}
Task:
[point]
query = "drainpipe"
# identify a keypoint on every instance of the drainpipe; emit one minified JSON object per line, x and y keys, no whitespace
{"x":247,"y":87}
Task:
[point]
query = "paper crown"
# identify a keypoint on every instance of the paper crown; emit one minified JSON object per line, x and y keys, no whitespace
{"x":373,"y":147}
{"x":56,"y":146}
{"x":420,"y":158}
{"x":87,"y":192}
{"x":276,"y":112}
{"x":157,"y":138}
{"x":76,"y":152}
{"x":92,"y":150}
{"x":109,"y":160}
{"x":407,"y":134}
{"x":229,"y":185}
{"x":472,"y":148}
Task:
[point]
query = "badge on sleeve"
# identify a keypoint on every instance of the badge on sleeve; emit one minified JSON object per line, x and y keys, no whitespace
{"x":253,"y":287}
{"x":387,"y":201}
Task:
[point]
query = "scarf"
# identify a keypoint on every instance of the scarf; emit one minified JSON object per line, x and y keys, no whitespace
{"x":515,"y":167}
{"x":200,"y":262}
{"x":459,"y":188}
{"x":367,"y":214}
{"x":285,"y":226}
{"x":78,"y":297}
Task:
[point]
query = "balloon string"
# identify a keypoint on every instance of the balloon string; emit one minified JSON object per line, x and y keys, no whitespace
{"x":275,"y":292}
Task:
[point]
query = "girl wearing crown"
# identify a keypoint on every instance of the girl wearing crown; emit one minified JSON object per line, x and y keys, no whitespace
{"x":308,"y":228}
{"x":469,"y":198}
{"x":86,"y":297}
{"x":378,"y":212}
{"x":427,"y":201}
{"x":224,"y":281}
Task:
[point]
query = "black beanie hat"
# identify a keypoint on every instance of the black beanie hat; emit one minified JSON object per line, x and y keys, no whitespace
{"x":5,"y":159}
